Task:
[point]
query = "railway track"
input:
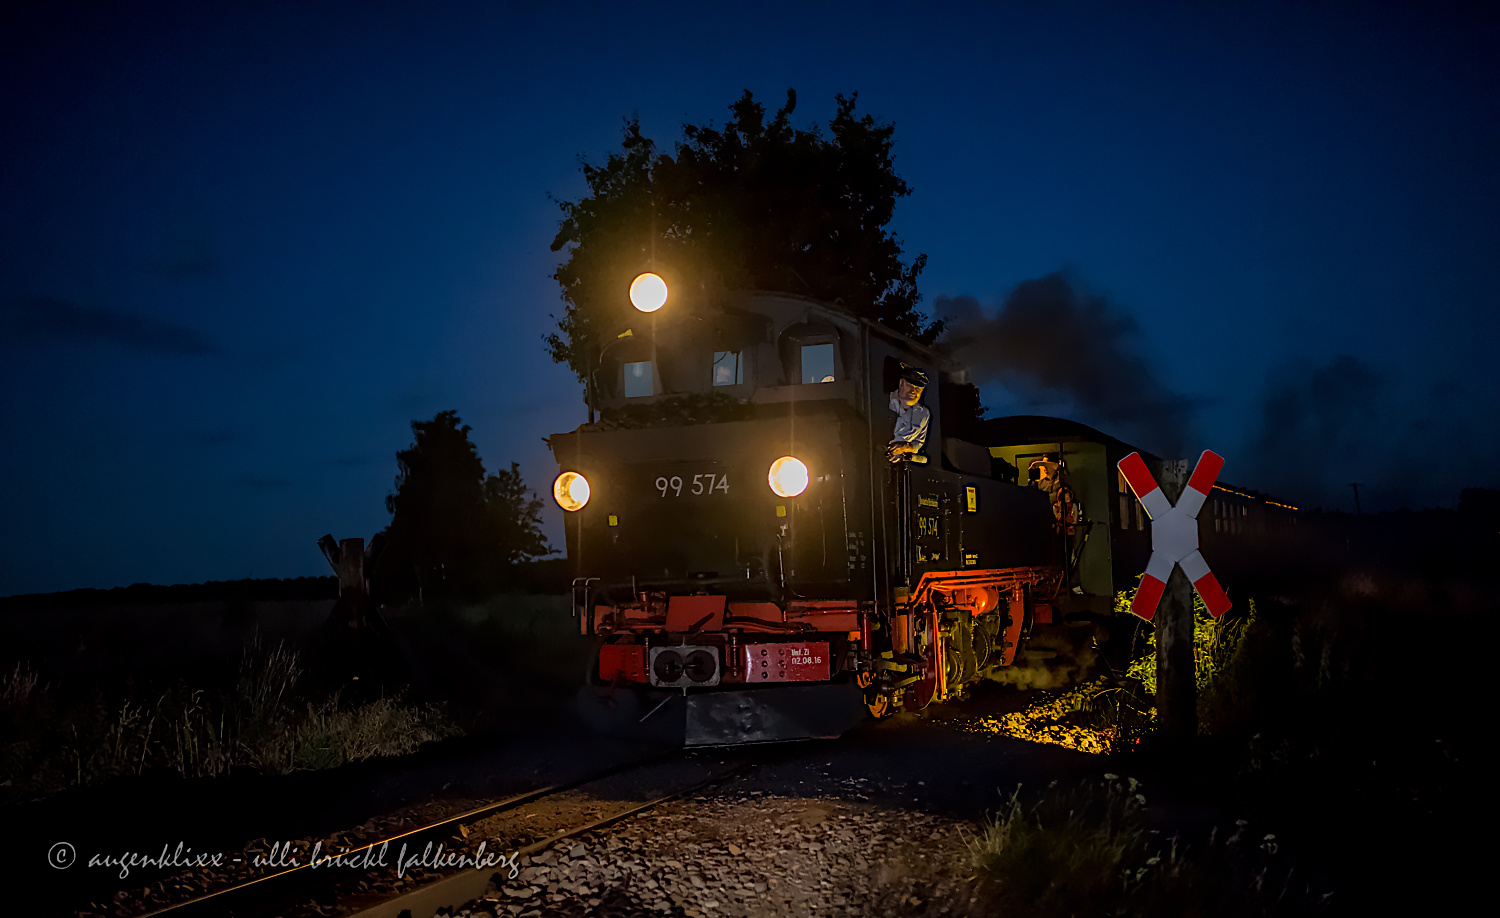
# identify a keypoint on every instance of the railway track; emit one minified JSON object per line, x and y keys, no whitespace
{"x":451,"y":861}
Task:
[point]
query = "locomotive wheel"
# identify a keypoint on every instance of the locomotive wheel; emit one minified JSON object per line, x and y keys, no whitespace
{"x":878,"y":704}
{"x":920,"y":694}
{"x":984,"y":645}
{"x":928,"y":643}
{"x":952,"y":667}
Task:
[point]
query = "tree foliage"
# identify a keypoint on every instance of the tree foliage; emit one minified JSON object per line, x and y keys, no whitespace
{"x":453,"y":529}
{"x":755,"y":204}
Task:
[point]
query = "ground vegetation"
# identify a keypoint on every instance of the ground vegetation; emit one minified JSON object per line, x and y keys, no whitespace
{"x":1328,"y":716}
{"x":269,"y":719}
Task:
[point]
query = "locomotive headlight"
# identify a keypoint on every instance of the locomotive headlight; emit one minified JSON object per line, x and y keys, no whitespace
{"x":571,"y":491}
{"x":788,"y":476}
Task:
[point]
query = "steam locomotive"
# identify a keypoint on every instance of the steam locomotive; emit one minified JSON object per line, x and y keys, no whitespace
{"x":753,"y":566}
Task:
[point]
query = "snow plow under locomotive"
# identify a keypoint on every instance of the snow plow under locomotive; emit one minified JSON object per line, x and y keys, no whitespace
{"x":754,"y":568}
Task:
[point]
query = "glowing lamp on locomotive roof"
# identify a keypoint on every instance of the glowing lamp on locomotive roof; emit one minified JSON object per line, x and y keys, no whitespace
{"x":648,"y":292}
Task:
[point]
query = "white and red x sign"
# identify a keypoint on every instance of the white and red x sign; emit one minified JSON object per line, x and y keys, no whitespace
{"x":1174,"y":534}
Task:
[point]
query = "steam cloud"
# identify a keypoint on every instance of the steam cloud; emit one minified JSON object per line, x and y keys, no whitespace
{"x":1051,"y":339}
{"x":1314,"y":419}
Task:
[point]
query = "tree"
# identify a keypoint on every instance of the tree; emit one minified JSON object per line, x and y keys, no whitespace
{"x":515,"y":518}
{"x":453,"y":530}
{"x":753,"y":205}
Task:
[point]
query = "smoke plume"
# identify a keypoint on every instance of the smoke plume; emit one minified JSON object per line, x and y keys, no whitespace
{"x":1327,"y":426}
{"x":1051,"y":341}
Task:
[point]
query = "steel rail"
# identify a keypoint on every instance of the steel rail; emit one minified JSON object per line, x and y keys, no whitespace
{"x":452,"y":892}
{"x":220,"y":898}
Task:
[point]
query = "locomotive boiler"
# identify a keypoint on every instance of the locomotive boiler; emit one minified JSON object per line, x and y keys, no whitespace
{"x":752,"y":565}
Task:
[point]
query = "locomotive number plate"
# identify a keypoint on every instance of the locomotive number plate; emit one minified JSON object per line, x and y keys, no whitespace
{"x":692,"y":484}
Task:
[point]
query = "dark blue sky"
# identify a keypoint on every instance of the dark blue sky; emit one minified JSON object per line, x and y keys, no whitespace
{"x":244,"y":245}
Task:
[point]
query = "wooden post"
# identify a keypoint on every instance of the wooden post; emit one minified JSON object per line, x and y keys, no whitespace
{"x":351,"y":571}
{"x":350,"y":560}
{"x":1176,"y":688}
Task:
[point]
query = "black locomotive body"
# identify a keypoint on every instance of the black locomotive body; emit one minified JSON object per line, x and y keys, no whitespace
{"x":737,"y":599}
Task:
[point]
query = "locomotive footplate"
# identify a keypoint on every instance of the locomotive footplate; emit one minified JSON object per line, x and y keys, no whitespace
{"x":724,"y":717}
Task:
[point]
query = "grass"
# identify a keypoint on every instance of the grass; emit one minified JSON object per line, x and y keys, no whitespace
{"x":1088,"y":850}
{"x":506,"y":657}
{"x":262,"y":722}
{"x":534,"y":637}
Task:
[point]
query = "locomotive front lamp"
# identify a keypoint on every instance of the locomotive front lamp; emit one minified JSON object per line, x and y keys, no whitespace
{"x":571,"y":491}
{"x":788,"y":476}
{"x":648,"y":292}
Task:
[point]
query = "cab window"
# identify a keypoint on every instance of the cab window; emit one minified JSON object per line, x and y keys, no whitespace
{"x":729,"y":368}
{"x":638,"y":379}
{"x":817,"y":363}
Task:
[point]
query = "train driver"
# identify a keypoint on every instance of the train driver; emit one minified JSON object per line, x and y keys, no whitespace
{"x":910,"y":433}
{"x":1045,"y":473}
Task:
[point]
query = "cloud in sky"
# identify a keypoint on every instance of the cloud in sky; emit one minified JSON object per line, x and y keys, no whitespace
{"x":47,"y":318}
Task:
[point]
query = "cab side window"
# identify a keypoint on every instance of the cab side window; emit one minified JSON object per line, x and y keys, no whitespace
{"x":638,"y":379}
{"x":817,"y":363}
{"x":810,"y":354}
{"x":729,"y":368}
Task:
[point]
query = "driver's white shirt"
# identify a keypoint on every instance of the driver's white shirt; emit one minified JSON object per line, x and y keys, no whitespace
{"x":911,"y":423}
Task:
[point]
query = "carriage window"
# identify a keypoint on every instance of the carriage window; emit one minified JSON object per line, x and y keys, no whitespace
{"x":638,"y":379}
{"x":817,"y":363}
{"x":729,"y":369}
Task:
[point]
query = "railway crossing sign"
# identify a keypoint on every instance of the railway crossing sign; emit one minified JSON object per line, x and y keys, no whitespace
{"x":1174,"y":534}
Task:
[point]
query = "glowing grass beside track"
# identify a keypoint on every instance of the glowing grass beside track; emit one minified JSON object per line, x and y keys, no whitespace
{"x":1069,"y":719}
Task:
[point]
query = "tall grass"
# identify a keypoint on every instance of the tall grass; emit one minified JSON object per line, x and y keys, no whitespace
{"x":261,"y":723}
{"x":1087,"y":850}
